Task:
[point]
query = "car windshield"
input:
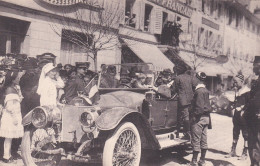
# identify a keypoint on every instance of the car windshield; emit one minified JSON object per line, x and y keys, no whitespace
{"x":134,"y":75}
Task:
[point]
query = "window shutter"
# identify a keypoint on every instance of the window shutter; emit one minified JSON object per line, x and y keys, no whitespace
{"x":201,"y":37}
{"x":141,"y":16}
{"x":198,"y":4}
{"x":122,"y":11}
{"x":157,"y":26}
{"x":137,"y":9}
{"x":184,"y":24}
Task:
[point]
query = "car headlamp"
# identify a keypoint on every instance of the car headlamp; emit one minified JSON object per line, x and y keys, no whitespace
{"x":39,"y":117}
{"x":87,"y":120}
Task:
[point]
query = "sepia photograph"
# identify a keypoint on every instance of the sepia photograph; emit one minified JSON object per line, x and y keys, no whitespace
{"x":129,"y":83}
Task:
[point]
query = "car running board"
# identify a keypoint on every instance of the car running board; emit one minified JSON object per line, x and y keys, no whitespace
{"x":169,"y":140}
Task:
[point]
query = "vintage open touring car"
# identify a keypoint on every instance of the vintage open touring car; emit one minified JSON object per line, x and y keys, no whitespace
{"x":126,"y":119}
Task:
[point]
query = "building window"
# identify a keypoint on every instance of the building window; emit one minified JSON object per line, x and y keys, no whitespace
{"x":72,"y":48}
{"x":12,"y":35}
{"x":201,"y":36}
{"x":188,"y":2}
{"x":147,"y":17}
{"x":247,"y":24}
{"x":212,"y":7}
{"x":230,"y":16}
{"x":203,"y":4}
{"x":238,"y":20}
{"x":253,"y":28}
{"x":165,"y":19}
{"x":219,"y":10}
{"x":130,"y":17}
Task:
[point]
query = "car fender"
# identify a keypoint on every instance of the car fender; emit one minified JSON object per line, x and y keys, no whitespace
{"x":111,"y":118}
{"x":27,"y":119}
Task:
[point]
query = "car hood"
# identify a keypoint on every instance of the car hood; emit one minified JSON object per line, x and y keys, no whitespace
{"x":121,"y":99}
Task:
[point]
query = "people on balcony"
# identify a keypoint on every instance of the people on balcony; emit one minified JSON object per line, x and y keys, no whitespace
{"x":170,"y":33}
{"x":132,"y":21}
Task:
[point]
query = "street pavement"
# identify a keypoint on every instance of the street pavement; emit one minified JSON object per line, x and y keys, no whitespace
{"x":219,"y":140}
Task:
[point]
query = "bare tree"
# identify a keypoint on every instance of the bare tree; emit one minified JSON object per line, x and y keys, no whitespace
{"x":195,"y":60}
{"x":92,"y":29}
{"x":239,"y":63}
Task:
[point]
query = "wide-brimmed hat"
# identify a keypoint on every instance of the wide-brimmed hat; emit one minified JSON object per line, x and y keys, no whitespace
{"x":201,"y":76}
{"x":167,"y":72}
{"x":47,"y":68}
{"x":30,"y":63}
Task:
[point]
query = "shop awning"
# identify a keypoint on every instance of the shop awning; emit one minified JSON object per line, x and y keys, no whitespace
{"x":150,"y":53}
{"x":213,"y":69}
{"x":203,"y":64}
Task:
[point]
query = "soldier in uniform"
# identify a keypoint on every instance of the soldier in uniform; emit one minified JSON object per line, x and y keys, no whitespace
{"x":252,"y":116}
{"x":76,"y":84}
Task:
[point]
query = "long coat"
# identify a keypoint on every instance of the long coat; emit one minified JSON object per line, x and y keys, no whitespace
{"x":184,"y":84}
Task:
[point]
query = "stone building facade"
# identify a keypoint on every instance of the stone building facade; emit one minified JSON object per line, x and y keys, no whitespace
{"x":27,"y":27}
{"x":209,"y":28}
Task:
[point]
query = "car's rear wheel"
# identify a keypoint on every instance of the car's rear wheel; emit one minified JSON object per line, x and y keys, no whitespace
{"x":123,"y":147}
{"x":35,"y":146}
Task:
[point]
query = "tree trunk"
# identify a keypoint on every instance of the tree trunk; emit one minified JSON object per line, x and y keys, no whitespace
{"x":95,"y":60}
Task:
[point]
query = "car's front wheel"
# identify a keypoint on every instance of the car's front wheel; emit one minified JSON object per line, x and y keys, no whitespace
{"x":123,"y":147}
{"x":36,"y":145}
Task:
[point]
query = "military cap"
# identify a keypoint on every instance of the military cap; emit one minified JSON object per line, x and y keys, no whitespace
{"x":201,"y":76}
{"x":82,"y":64}
{"x":257,"y":59}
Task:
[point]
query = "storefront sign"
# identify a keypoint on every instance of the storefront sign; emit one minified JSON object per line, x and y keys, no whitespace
{"x":210,"y":23}
{"x":175,"y":6}
{"x":70,"y":2}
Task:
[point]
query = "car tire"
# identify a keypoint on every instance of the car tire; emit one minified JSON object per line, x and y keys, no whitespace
{"x":27,"y":154}
{"x":26,"y":151}
{"x":126,"y":135}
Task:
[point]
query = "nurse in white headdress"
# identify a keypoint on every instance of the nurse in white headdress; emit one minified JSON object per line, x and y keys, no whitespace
{"x":48,"y":83}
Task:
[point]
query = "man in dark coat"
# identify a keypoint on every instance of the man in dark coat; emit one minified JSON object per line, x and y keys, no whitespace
{"x":252,"y":116}
{"x":200,"y":121}
{"x":76,"y":84}
{"x":184,"y":84}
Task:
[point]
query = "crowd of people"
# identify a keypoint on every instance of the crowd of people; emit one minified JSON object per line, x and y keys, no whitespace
{"x":37,"y":82}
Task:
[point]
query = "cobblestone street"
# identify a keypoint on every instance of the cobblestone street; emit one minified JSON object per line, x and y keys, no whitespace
{"x":220,"y":139}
